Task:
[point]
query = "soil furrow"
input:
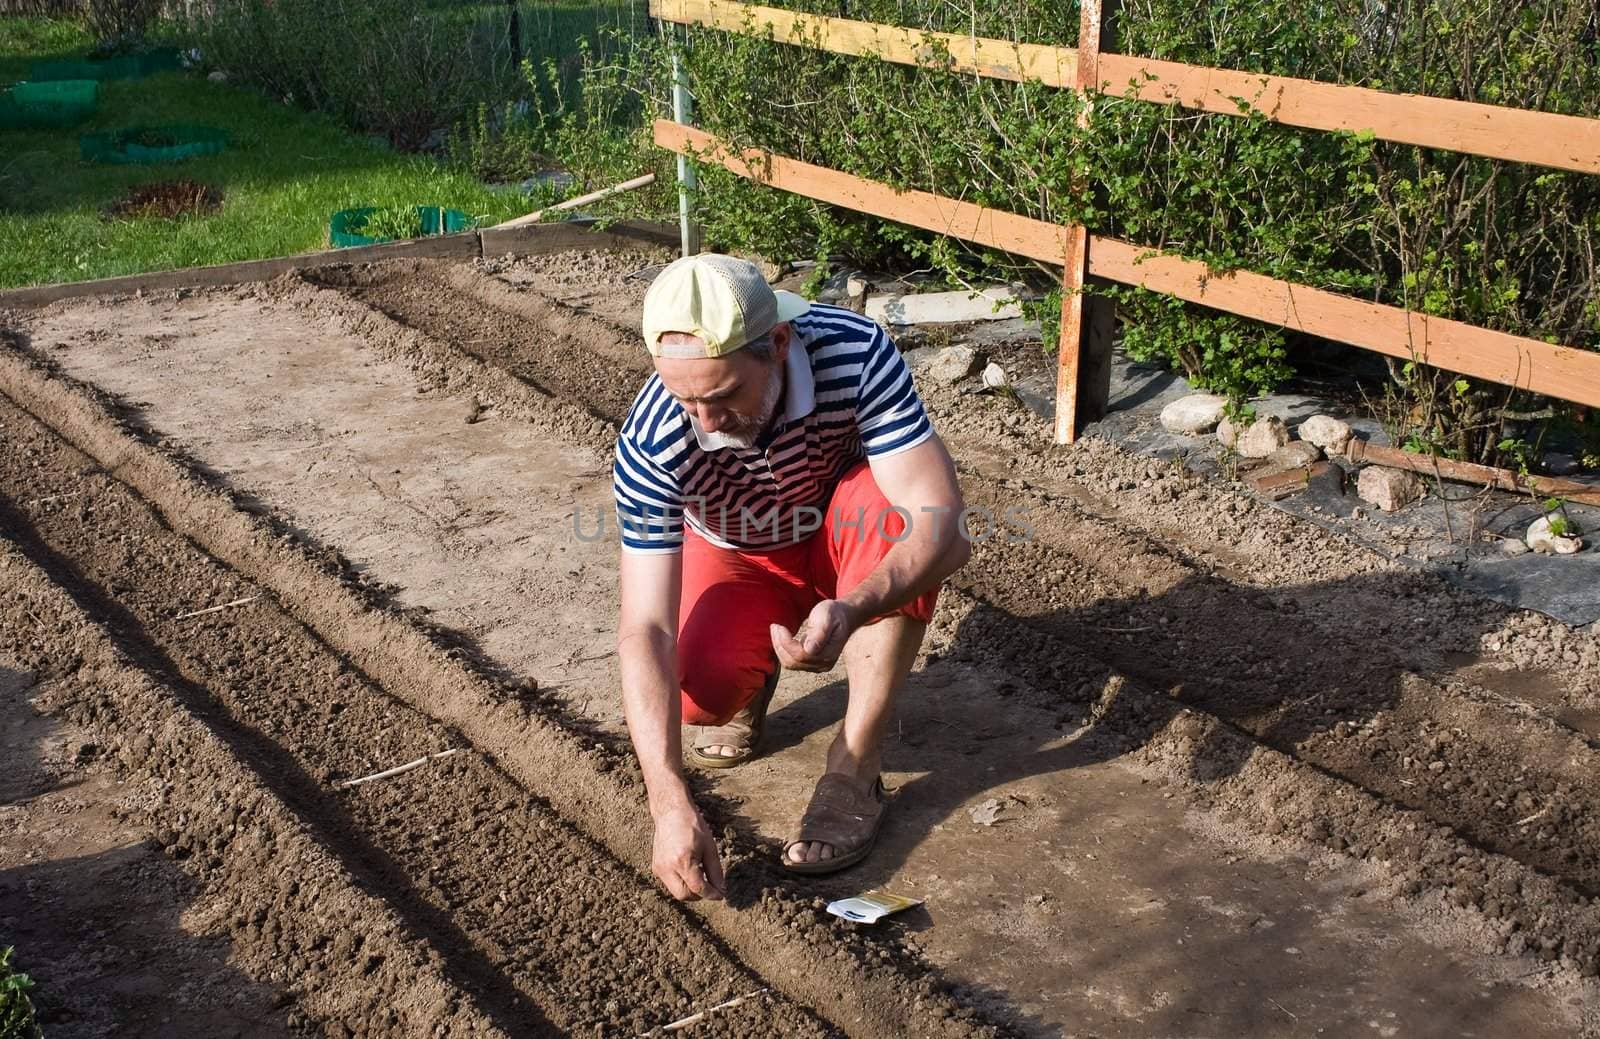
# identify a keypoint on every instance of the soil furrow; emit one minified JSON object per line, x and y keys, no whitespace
{"x":515,"y":901}
{"x":772,"y":932}
{"x":1351,"y":708}
{"x":295,"y":915}
{"x":1277,"y":792}
{"x":561,"y":354}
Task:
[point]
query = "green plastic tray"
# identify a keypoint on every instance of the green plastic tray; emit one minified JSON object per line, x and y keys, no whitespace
{"x":126,"y":66}
{"x":343,"y":233}
{"x":62,"y":103}
{"x":123,"y":147}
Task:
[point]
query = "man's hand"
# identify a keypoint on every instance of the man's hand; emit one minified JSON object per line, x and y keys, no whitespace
{"x":684,"y":857}
{"x":820,"y":639}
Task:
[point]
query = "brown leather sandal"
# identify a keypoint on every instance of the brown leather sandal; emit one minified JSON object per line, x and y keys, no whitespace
{"x":744,"y":731}
{"x":842,"y":815}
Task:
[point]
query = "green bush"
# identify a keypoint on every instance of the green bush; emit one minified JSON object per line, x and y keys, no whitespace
{"x":17,"y":1019}
{"x":1492,"y":243}
{"x":391,"y":67}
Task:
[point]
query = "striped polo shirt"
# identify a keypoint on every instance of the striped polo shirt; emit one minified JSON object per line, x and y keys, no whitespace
{"x":849,"y":396}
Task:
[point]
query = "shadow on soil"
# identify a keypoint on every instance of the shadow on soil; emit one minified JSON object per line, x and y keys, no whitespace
{"x":464,"y":964}
{"x":1291,"y":687}
{"x":100,"y":932}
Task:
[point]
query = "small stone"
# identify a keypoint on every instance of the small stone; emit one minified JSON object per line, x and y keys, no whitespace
{"x":1388,"y":489}
{"x":952,"y":364}
{"x":855,"y":286}
{"x":1227,"y":433}
{"x":1513,"y":547}
{"x":1262,"y":438}
{"x":1542,"y":537}
{"x":995,"y":377}
{"x":1327,"y":432}
{"x":1294,"y":455}
{"x":1193,"y":415}
{"x":218,"y":76}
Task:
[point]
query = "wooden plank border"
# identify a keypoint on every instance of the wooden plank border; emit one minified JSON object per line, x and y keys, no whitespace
{"x":1542,"y":138}
{"x":1556,"y":371}
{"x":535,"y":240}
{"x":994,"y":59}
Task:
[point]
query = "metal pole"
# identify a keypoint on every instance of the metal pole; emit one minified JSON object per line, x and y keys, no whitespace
{"x":683,"y":112}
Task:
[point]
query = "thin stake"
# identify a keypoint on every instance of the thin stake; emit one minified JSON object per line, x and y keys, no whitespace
{"x":216,"y":609}
{"x":407,"y":767}
{"x":692,"y":1019}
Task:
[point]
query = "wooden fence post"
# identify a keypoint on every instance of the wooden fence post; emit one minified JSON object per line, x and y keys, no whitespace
{"x":1083,"y":352}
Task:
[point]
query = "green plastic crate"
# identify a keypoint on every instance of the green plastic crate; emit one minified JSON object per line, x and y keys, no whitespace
{"x":343,"y":229}
{"x":125,"y":66}
{"x":150,"y":145}
{"x":62,"y":103}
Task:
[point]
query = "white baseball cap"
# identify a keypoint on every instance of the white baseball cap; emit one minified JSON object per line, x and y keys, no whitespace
{"x":722,"y":300}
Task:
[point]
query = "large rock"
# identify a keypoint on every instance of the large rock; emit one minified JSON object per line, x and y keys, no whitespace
{"x":1262,"y":438}
{"x":1195,"y":414}
{"x":1294,"y":455}
{"x":1542,"y":536}
{"x":1328,"y":433}
{"x":952,"y":364}
{"x":1388,"y":489}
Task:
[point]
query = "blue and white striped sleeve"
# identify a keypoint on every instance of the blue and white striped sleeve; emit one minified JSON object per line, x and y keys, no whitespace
{"x":649,"y":501}
{"x":889,"y":414}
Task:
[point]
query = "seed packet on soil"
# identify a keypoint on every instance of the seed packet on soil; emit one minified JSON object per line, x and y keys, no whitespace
{"x":871,"y":907}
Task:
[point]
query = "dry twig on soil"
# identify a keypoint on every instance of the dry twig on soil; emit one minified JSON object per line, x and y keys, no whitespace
{"x":692,"y":1019}
{"x":216,"y":609}
{"x":407,"y":767}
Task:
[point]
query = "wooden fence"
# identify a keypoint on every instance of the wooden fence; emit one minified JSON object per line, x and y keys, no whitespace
{"x":1541,"y":138}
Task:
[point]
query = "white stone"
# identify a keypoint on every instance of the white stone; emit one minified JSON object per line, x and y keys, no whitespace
{"x":926,"y":308}
{"x":952,"y":364}
{"x":1195,"y":414}
{"x":1293,"y":455}
{"x":1227,"y":433}
{"x":218,"y":76}
{"x":1328,"y":433}
{"x":1513,"y":547}
{"x":1262,"y":438}
{"x":1542,"y":539}
{"x":995,"y":377}
{"x":1388,"y":489}
{"x":855,"y":286}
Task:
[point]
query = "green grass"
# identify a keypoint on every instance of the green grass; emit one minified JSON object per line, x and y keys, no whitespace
{"x":26,"y":40}
{"x":286,"y":173}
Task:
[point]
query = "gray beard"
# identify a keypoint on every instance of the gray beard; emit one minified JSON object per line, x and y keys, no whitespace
{"x":749,"y":433}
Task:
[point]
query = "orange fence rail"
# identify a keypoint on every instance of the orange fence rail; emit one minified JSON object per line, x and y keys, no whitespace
{"x":1540,"y":138}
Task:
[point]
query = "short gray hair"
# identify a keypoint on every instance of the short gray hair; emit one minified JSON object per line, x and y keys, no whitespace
{"x":761,"y":346}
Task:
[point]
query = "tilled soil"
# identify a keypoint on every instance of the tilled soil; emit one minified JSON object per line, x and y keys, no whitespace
{"x":1295,"y":687}
{"x":522,"y":911}
{"x":1339,"y":665}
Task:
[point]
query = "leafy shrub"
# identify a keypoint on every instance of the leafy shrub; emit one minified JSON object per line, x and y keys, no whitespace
{"x":118,"y":25}
{"x":1504,"y":245}
{"x":393,"y":67}
{"x":17,"y":1019}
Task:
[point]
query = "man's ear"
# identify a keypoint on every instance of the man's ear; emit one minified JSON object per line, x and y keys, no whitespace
{"x":782,"y":336}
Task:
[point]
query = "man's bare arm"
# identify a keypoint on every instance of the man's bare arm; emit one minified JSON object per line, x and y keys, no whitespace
{"x":922,"y":482}
{"x":685,"y":855}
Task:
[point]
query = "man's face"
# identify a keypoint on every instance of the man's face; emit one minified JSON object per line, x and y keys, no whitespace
{"x":735,"y":396}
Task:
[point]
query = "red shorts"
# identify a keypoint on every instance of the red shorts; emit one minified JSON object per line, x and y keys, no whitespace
{"x":731,"y":597}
